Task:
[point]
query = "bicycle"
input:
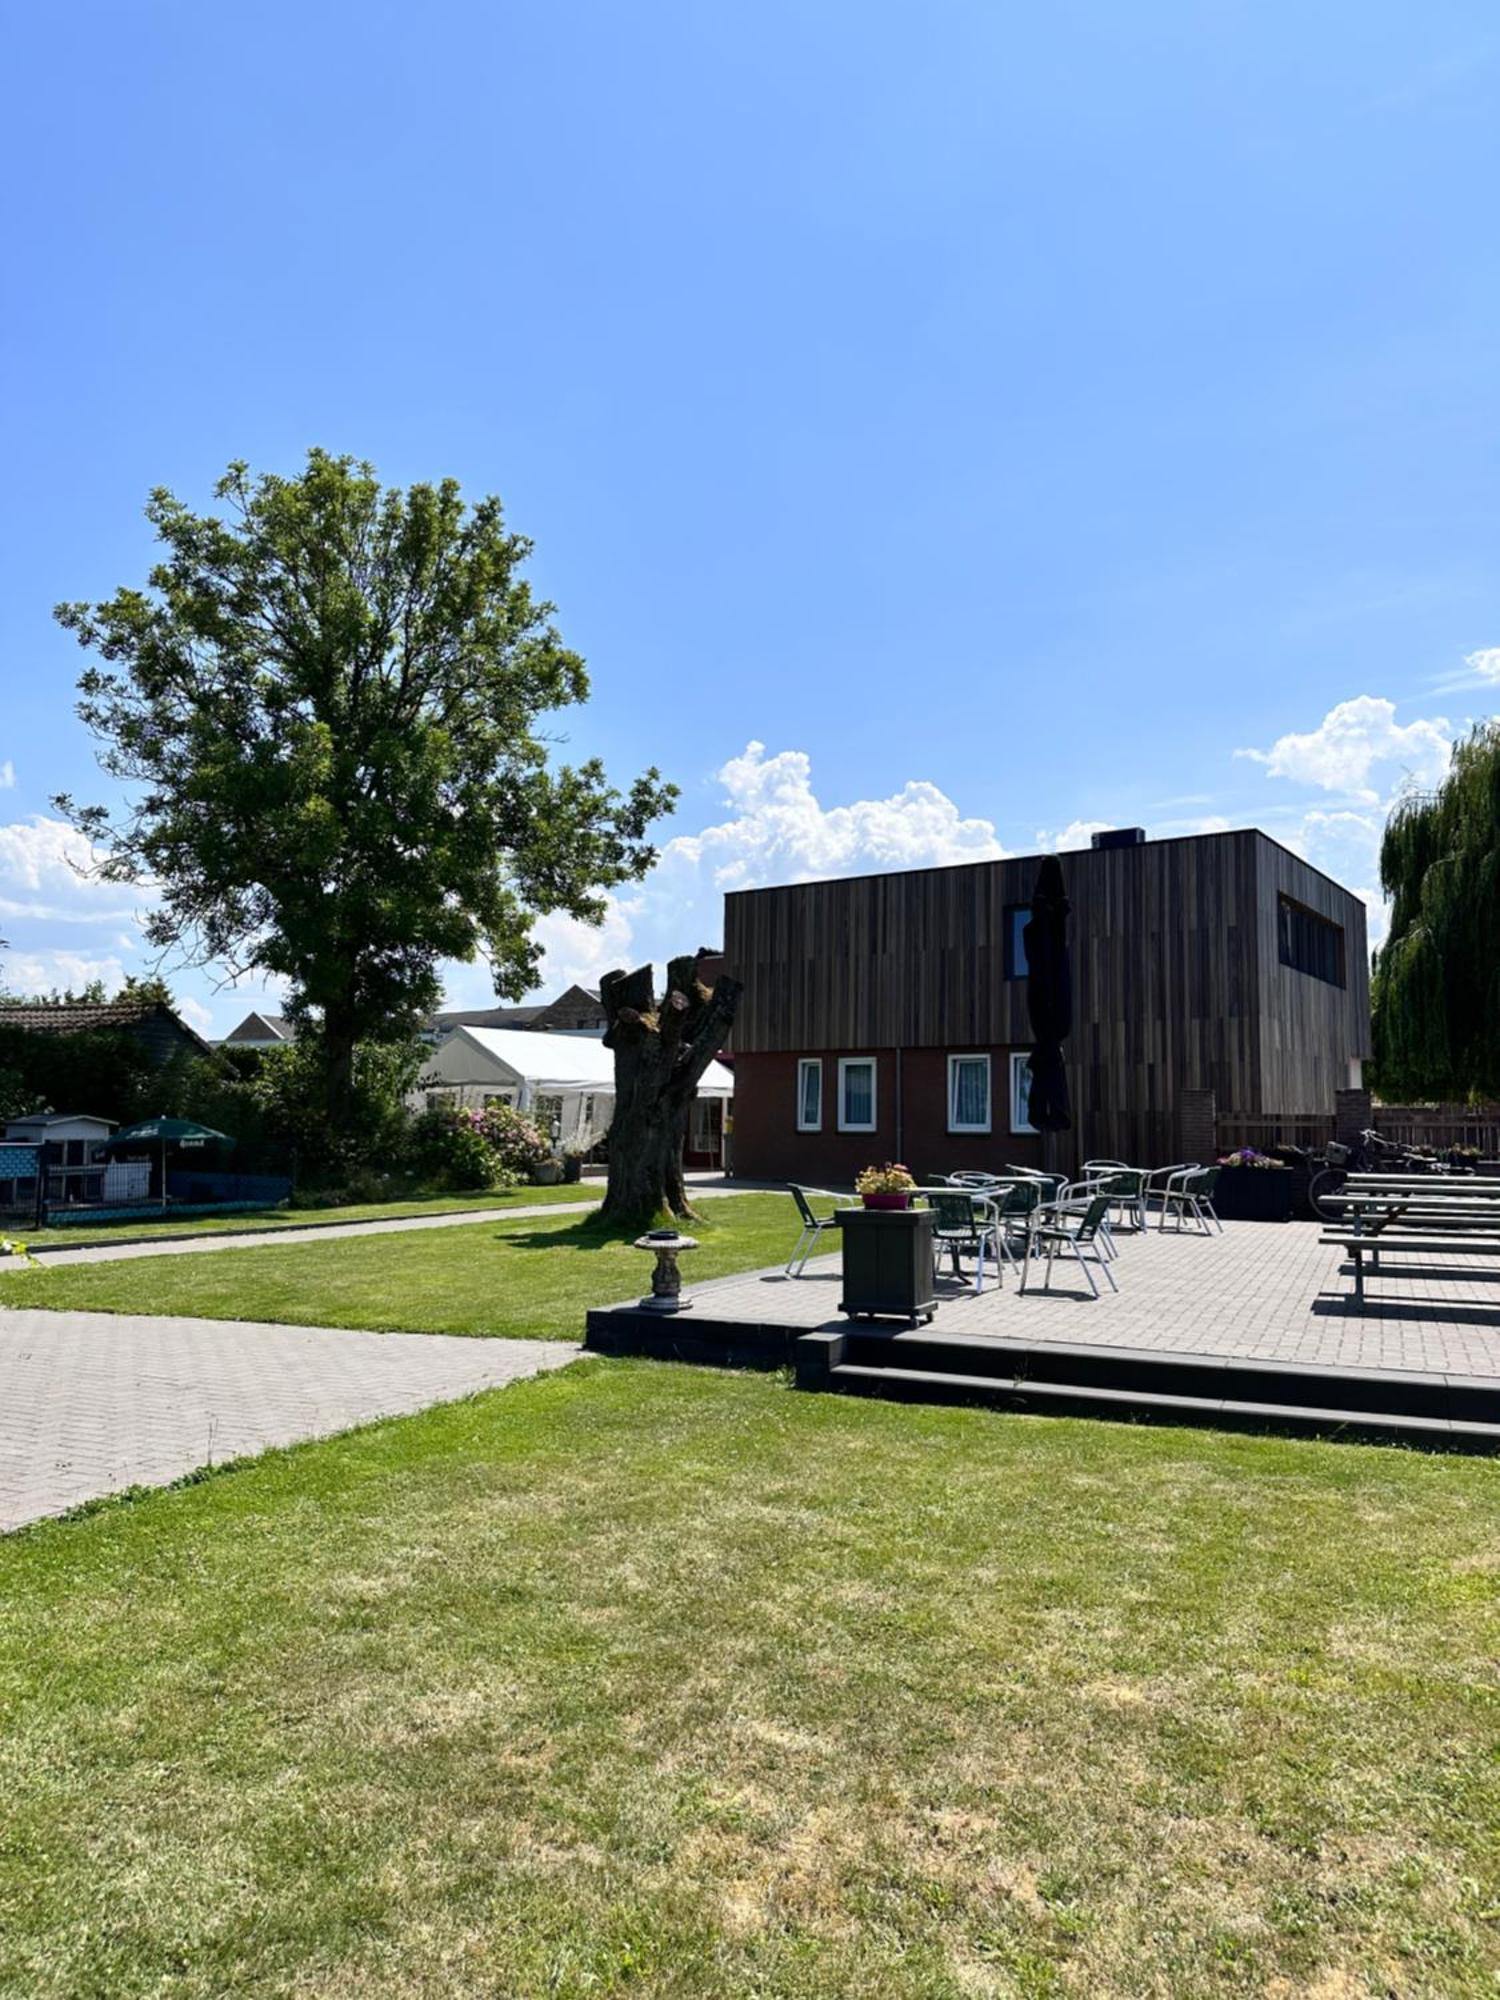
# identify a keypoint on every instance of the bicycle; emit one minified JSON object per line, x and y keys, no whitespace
{"x":1369,"y":1151}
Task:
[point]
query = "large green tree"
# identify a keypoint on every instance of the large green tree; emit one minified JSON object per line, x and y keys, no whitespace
{"x":1436,"y":990}
{"x":326,"y":707}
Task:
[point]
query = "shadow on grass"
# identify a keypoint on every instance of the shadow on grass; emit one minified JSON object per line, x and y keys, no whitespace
{"x":590,"y":1232}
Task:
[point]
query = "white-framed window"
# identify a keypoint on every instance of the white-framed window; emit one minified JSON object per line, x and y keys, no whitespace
{"x":498,"y":1097}
{"x":857,"y":1093}
{"x":439,"y":1100}
{"x":1020,"y":1092}
{"x":810,"y":1094}
{"x":968,"y":1093}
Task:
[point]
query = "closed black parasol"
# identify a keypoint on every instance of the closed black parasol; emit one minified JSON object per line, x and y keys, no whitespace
{"x":1049,"y":998}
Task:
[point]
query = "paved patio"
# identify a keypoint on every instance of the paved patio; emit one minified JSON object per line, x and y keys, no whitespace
{"x":1265,"y":1291}
{"x":91,"y":1403}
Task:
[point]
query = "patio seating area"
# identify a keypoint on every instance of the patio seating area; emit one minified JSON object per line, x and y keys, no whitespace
{"x":1253,"y":1323}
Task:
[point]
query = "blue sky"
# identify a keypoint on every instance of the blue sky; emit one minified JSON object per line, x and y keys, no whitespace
{"x":1002,"y":416}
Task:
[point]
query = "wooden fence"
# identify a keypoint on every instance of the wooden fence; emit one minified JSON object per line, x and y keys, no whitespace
{"x":1265,"y":1130}
{"x":1436,"y":1127}
{"x":1441,"y":1126}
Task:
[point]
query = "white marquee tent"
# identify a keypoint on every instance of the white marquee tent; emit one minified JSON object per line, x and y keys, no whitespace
{"x":566,"y":1081}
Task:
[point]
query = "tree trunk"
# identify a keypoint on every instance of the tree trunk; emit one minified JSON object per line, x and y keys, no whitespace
{"x":337,"y":1052}
{"x":661,"y":1050}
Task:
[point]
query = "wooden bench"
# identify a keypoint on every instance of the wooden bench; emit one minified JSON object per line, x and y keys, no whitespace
{"x":1404,"y":1242}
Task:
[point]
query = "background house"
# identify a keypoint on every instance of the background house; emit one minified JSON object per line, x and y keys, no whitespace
{"x":884,"y":1017}
{"x":151,"y":1024}
{"x":577,"y":1011}
{"x":68,"y":1148}
{"x":260,"y":1031}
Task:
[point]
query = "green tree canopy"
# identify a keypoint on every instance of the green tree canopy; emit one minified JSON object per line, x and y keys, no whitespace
{"x":326,"y":706}
{"x":1436,"y":989}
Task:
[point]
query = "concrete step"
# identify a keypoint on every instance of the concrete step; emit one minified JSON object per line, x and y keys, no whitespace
{"x":1196,"y":1377}
{"x":928,"y":1385}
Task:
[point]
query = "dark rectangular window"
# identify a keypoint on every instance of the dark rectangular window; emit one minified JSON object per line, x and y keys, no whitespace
{"x":1017,"y":917}
{"x":1310,"y":943}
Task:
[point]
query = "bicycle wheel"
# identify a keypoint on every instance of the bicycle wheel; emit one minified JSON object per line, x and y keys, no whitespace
{"x":1329,"y":1182}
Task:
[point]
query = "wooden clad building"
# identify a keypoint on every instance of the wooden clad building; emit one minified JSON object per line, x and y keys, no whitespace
{"x":884,"y":1017}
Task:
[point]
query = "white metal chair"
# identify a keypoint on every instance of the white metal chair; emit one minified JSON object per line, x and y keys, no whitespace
{"x":1075,"y":1198}
{"x":1191,"y":1197}
{"x":1125,"y":1186}
{"x":966,"y":1221}
{"x":1162,"y":1181}
{"x":1077,"y":1237}
{"x":813,"y":1226}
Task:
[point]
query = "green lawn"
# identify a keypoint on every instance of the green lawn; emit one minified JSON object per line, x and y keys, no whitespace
{"x":300,"y":1218}
{"x":648,"y":1680}
{"x":529,"y":1277}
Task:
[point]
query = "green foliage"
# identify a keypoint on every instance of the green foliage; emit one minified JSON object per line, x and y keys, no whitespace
{"x":1436,"y":987}
{"x":328,"y":706}
{"x":448,"y":1150}
{"x":104,"y":1071}
{"x":493,"y":1148}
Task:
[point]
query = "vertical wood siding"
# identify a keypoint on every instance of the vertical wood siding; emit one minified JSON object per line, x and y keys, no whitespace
{"x":1177,"y":978}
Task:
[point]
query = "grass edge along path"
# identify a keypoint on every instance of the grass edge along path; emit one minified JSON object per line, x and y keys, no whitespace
{"x":652,"y":1681}
{"x":252,"y":1222}
{"x":535,"y":1277}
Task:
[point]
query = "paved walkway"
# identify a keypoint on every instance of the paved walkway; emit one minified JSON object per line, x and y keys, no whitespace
{"x":1269,"y":1291}
{"x":94,"y":1402}
{"x":320,"y":1232}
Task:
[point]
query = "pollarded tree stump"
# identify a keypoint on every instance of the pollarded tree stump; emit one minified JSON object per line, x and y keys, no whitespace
{"x":661,"y":1049}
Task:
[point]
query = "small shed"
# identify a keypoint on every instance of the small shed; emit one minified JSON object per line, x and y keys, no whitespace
{"x":565,"y":1082}
{"x":70,"y":1148}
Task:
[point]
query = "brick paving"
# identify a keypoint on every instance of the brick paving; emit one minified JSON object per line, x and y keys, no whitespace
{"x":1268,"y":1291}
{"x":91,"y":1403}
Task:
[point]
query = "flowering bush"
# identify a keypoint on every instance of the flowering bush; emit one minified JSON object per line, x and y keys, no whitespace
{"x":889,"y":1179}
{"x":517,"y":1144}
{"x":1247,"y":1156}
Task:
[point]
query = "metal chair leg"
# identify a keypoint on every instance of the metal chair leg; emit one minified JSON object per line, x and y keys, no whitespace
{"x":1082,"y":1263}
{"x":790,"y":1272}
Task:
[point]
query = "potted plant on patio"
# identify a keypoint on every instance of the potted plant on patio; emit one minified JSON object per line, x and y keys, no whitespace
{"x":1253,"y":1187}
{"x":889,"y":1186}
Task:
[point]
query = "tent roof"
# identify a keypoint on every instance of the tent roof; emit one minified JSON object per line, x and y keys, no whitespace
{"x":557,"y":1063}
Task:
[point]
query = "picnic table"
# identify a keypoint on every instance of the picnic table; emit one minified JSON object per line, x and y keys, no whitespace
{"x":1433,"y":1216}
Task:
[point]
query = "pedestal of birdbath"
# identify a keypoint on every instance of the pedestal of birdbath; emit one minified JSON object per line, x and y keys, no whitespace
{"x":666,"y":1279}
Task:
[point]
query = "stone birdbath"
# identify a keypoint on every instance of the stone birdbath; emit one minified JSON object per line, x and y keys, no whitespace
{"x":666,"y":1279}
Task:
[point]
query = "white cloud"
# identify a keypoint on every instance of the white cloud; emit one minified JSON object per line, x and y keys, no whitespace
{"x":1078,"y":833}
{"x":7,"y":776}
{"x":779,"y":831}
{"x":1342,"y":753}
{"x":46,"y":971}
{"x":45,"y":875}
{"x":775,"y":829}
{"x":195,"y":1013}
{"x":1485,"y":664}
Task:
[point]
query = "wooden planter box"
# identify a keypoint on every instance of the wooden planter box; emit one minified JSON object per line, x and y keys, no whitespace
{"x":887,"y":1263}
{"x":1255,"y":1194}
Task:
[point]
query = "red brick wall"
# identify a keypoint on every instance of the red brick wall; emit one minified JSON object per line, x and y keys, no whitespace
{"x":768,"y":1146}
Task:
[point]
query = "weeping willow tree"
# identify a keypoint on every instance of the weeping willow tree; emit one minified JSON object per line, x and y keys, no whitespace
{"x":1436,"y":989}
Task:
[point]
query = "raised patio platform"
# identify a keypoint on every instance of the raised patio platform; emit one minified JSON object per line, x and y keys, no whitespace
{"x":1252,"y":1328}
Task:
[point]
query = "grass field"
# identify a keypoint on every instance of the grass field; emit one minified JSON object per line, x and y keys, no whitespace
{"x":300,"y":1218}
{"x":648,"y":1680}
{"x":533,"y":1277}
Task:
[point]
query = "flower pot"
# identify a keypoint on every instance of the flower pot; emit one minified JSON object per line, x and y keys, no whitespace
{"x":1254,"y":1194}
{"x":902,"y":1200}
{"x":548,"y":1174}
